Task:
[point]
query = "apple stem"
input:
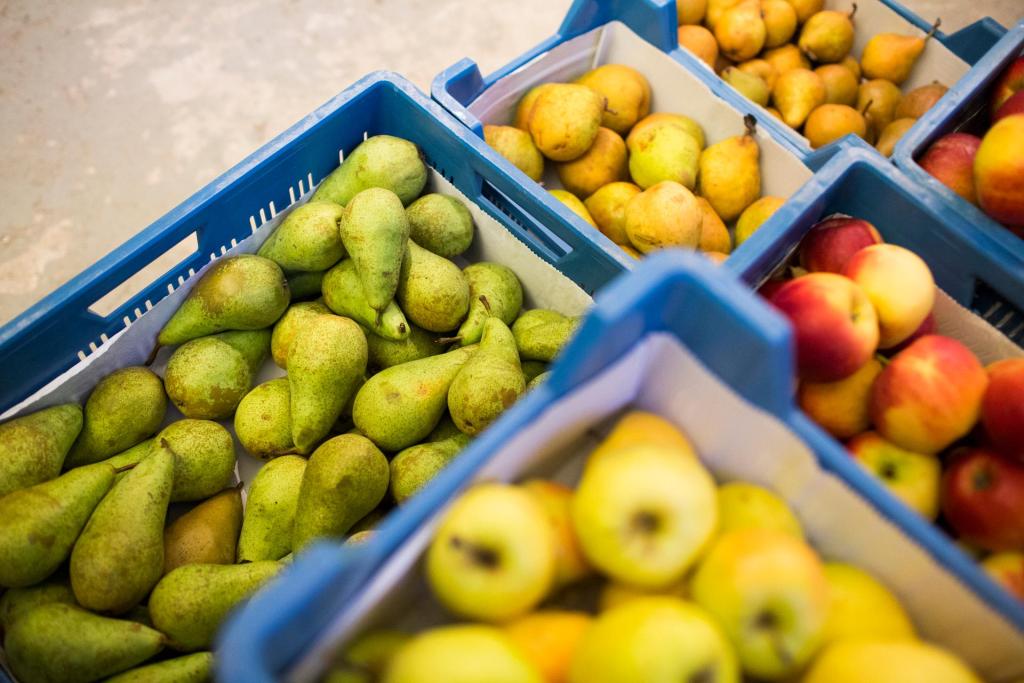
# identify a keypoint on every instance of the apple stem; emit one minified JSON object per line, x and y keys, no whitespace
{"x":483,"y":556}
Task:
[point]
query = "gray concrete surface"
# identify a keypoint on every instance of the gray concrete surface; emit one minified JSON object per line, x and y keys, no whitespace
{"x":113,"y":112}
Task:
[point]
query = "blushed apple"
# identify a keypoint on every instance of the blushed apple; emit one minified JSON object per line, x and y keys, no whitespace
{"x":861,"y":606}
{"x":1009,"y":83}
{"x":1002,"y":408}
{"x":834,"y":324}
{"x":950,"y":160}
{"x":911,"y":477}
{"x":831,"y":243}
{"x":927,"y":327}
{"x":929,"y":395}
{"x":999,"y":172}
{"x":983,"y":499}
{"x":841,"y":408}
{"x":769,"y":592}
{"x":768,"y":289}
{"x":555,"y":499}
{"x":899,"y":285}
{"x":1014,"y":105}
{"x":550,"y":639}
{"x":1008,"y":570}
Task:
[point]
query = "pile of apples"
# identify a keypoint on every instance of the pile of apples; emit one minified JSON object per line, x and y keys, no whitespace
{"x":989,"y":171}
{"x":915,"y":408}
{"x":793,"y":57}
{"x":644,"y":180}
{"x":648,"y":571}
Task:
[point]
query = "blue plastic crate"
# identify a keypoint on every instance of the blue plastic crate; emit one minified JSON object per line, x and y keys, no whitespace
{"x":656,"y":21}
{"x":965,"y":108}
{"x":60,"y":330}
{"x":862,"y":184}
{"x":739,"y":347}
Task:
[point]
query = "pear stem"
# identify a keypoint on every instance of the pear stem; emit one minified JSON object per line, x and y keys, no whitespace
{"x":152,"y":355}
{"x":934,"y":28}
{"x":125,"y":468}
{"x":864,"y":111}
{"x":853,"y":10}
{"x":485,"y":302}
{"x":448,"y":340}
{"x":751,"y":124}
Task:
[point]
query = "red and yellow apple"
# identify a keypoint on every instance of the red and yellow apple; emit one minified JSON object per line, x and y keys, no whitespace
{"x":950,"y":160}
{"x":1014,"y":105}
{"x":911,"y":477}
{"x":1002,"y":408}
{"x":900,"y":286}
{"x":834,"y":324}
{"x":925,"y":328}
{"x":831,"y":243}
{"x":983,"y":499}
{"x":841,"y":408}
{"x":1009,"y":83}
{"x":999,"y":172}
{"x":929,"y":395}
{"x":1008,"y":570}
{"x":549,"y":640}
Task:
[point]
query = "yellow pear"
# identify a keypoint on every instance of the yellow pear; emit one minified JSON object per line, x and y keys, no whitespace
{"x":603,"y":163}
{"x":918,"y":101}
{"x":761,"y":68}
{"x":805,"y":9}
{"x":607,"y":207}
{"x":626,"y":92}
{"x":891,"y":135}
{"x":730,"y":173}
{"x":889,"y":662}
{"x":853,"y":65}
{"x":840,"y":84}
{"x":755,"y":215}
{"x":860,"y":606}
{"x":774,"y":112}
{"x":740,"y":31}
{"x":660,"y":118}
{"x":690,"y":11}
{"x":714,"y":236}
{"x":877,"y":101}
{"x":665,"y":215}
{"x":829,"y":122}
{"x":565,"y":119}
{"x":574,"y":204}
{"x":749,"y":85}
{"x":786,"y":58}
{"x":715,"y":10}
{"x":827,"y":37}
{"x":525,"y":106}
{"x":517,"y":146}
{"x":701,"y":42}
{"x":664,"y":152}
{"x":796,"y":94}
{"x":779,"y":22}
{"x":892,"y":56}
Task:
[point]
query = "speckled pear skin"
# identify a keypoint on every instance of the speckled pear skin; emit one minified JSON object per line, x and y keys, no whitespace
{"x":204,"y":461}
{"x":326,"y":364}
{"x":33,"y":446}
{"x":60,"y":643}
{"x":191,"y":603}
{"x":415,"y":466}
{"x":16,"y":602}
{"x":254,"y":345}
{"x":307,"y":239}
{"x":489,"y":383}
{"x":270,"y":510}
{"x":39,"y":524}
{"x":244,"y":292}
{"x":432,"y":291}
{"x":399,"y":406}
{"x":206,"y":378}
{"x":441,"y":224}
{"x":304,"y":286}
{"x":284,"y":331}
{"x":386,"y":353}
{"x":532,"y":368}
{"x":126,"y":407}
{"x":537,"y":381}
{"x":193,"y":668}
{"x":375,"y":231}
{"x":206,"y":534}
{"x":263,"y":422}
{"x":540,"y":334}
{"x":494,"y":290}
{"x":345,"y":478}
{"x":119,"y":556}
{"x":379,"y":161}
{"x":343,"y":294}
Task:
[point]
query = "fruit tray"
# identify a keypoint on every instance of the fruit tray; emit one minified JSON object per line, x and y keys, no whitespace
{"x":647,"y":336}
{"x":459,"y":87}
{"x":965,"y":108}
{"x":63,"y":330}
{"x":859,"y":183}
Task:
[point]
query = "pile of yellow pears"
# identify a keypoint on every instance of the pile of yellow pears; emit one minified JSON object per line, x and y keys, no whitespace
{"x":647,"y":181}
{"x":648,"y":571}
{"x":794,"y":57}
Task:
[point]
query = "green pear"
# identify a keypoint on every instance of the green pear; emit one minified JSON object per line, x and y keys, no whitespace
{"x":380,"y":161}
{"x":565,"y":119}
{"x":190,"y":603}
{"x":432,"y":291}
{"x":206,"y":534}
{"x":730,"y":172}
{"x":489,"y":383}
{"x":540,"y":334}
{"x":125,"y":460}
{"x":537,"y":381}
{"x":206,"y":378}
{"x":194,"y":668}
{"x":263,"y":421}
{"x":244,"y":292}
{"x":751,"y":86}
{"x":326,"y":363}
{"x":307,"y":239}
{"x":413,"y":467}
{"x":254,"y":345}
{"x":494,"y":290}
{"x":125,"y":407}
{"x":345,"y":478}
{"x":343,"y":294}
{"x":59,"y":643}
{"x":441,"y":224}
{"x":204,"y":461}
{"x":371,"y":652}
{"x":33,"y":446}
{"x":517,"y":146}
{"x":375,"y":231}
{"x":39,"y":524}
{"x":532,"y":368}
{"x":293,"y":320}
{"x":399,"y":406}
{"x":305,"y":285}
{"x":119,"y":556}
{"x":16,"y":602}
{"x":270,"y":510}
{"x":664,"y":152}
{"x":385,"y":353}
{"x":659,"y":118}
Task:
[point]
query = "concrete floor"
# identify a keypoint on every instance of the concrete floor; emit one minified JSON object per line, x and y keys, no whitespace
{"x":112,"y":112}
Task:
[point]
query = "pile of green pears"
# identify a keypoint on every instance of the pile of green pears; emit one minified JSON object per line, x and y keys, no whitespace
{"x":396,"y":357}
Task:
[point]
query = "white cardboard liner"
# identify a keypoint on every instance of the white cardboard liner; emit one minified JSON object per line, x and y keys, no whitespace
{"x":673,"y":89}
{"x":662,"y":376}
